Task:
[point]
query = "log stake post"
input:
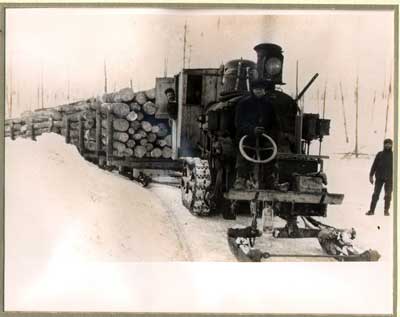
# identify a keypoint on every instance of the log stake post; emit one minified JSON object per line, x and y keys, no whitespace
{"x":51,"y":124}
{"x":12,"y":130}
{"x":81,"y":135}
{"x":33,"y":136}
{"x":67,"y":131}
{"x":98,"y":132}
{"x":110,"y":132}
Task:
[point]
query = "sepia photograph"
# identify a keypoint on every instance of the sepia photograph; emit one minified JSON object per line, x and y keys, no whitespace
{"x":200,"y":160}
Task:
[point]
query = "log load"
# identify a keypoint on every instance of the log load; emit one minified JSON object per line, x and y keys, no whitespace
{"x":150,"y":94}
{"x":155,"y":129}
{"x":131,"y":131}
{"x":146,"y":126}
{"x":121,"y":125}
{"x":149,"y":147}
{"x":89,"y":124}
{"x":131,"y":143}
{"x":140,"y":151}
{"x":119,"y":109}
{"x":136,"y":125}
{"x":151,"y":137}
{"x":42,"y":115}
{"x":135,"y":130}
{"x":149,"y":108}
{"x":121,"y":137}
{"x":90,"y":134}
{"x":156,"y":153}
{"x":73,"y":116}
{"x":78,"y":106}
{"x":140,"y":116}
{"x":161,"y":143}
{"x":89,"y":115}
{"x":167,"y":152}
{"x":90,"y":145}
{"x":135,"y":106}
{"x":126,"y":95}
{"x":141,"y":98}
{"x":140,"y":134}
{"x":128,"y":152}
{"x":44,"y":124}
{"x":132,"y":116}
{"x":119,"y":146}
{"x":72,"y":133}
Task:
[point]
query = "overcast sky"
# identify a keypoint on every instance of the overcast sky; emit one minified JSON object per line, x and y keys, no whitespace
{"x":71,"y":45}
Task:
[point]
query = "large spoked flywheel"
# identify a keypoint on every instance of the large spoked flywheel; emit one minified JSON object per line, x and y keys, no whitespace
{"x":195,"y":184}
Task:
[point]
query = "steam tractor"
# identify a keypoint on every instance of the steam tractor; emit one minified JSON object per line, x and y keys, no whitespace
{"x":204,"y":140}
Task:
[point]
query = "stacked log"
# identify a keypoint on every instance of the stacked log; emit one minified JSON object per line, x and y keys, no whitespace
{"x":79,"y":121}
{"x":135,"y":130}
{"x":122,"y":122}
{"x":32,"y":124}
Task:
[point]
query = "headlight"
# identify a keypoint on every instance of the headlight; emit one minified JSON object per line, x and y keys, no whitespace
{"x":273,"y":66}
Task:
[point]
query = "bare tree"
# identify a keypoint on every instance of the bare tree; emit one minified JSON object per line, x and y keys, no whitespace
{"x":388,"y":104}
{"x":42,"y":87}
{"x":10,"y":93}
{"x":166,"y":66}
{"x":344,"y":113}
{"x":356,"y":132}
{"x":184,"y":45}
{"x":105,"y":77}
{"x":373,"y":108}
{"x":324,"y":101}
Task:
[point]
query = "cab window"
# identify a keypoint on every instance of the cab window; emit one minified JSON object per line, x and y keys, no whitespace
{"x":194,"y":89}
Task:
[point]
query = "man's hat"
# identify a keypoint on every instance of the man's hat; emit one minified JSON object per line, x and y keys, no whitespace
{"x":169,"y":90}
{"x":388,"y":141}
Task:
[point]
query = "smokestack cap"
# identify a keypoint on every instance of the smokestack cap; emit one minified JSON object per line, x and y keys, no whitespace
{"x":272,"y":48}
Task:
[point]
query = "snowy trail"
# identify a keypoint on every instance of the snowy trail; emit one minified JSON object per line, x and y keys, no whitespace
{"x":181,"y":238}
{"x":205,"y":236}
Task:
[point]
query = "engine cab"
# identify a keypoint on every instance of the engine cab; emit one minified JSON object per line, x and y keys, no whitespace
{"x":204,"y":138}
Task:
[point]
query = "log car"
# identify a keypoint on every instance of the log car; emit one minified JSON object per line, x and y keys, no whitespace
{"x":204,"y":149}
{"x":194,"y":87}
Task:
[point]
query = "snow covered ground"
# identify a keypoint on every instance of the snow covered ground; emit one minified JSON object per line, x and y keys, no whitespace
{"x":63,"y":212}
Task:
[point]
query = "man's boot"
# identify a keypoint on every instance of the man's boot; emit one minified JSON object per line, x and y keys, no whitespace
{"x":388,"y":198}
{"x":372,"y":206}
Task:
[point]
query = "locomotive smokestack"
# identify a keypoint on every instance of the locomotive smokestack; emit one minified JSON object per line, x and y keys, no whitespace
{"x":269,"y":63}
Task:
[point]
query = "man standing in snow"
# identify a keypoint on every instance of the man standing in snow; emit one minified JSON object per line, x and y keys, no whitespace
{"x":382,"y":169}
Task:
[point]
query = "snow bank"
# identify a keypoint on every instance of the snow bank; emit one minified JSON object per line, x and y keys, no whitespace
{"x":60,"y":206}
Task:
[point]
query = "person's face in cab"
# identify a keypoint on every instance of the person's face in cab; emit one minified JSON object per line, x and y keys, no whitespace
{"x":170,"y":96}
{"x":259,"y":92}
